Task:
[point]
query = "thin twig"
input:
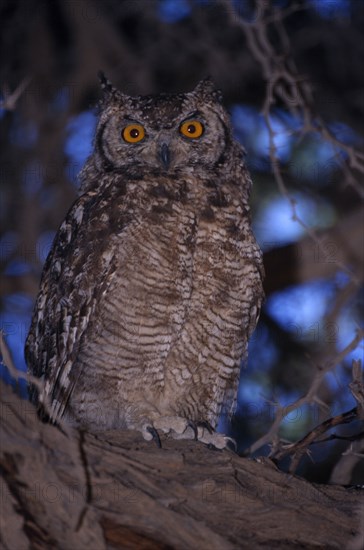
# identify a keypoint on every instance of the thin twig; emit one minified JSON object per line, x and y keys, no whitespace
{"x":10,"y":99}
{"x":298,"y":449}
{"x":309,"y":397}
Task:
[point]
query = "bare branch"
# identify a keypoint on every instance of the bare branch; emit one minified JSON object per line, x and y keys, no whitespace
{"x":309,"y":397}
{"x":357,"y":386}
{"x":10,"y":99}
{"x":297,"y":450}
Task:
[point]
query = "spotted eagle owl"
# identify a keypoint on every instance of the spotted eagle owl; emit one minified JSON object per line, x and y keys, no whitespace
{"x":153,"y":284}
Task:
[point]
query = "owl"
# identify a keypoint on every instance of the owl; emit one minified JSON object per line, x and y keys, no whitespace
{"x":153,"y":284}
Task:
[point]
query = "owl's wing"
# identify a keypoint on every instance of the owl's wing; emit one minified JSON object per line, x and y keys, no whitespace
{"x":76,"y":273}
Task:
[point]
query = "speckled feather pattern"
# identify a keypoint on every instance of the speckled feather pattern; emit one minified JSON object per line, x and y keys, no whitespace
{"x":154,"y":281}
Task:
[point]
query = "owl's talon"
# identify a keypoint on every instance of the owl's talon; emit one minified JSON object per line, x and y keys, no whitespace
{"x":217,"y":440}
{"x":193,"y":425}
{"x":206,"y":425}
{"x":155,"y":436}
{"x":231,"y":444}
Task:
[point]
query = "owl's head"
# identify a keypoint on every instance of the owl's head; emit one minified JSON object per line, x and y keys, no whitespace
{"x":164,"y":132}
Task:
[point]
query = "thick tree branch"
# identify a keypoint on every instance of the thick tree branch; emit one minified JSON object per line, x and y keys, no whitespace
{"x":114,"y":490}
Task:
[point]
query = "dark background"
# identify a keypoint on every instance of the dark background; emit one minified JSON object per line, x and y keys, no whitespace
{"x":310,"y":230}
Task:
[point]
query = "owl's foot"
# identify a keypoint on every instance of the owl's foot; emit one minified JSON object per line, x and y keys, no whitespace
{"x":218,"y":441}
{"x":177,"y":427}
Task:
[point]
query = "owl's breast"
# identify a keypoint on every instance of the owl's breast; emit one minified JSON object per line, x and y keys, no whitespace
{"x":180,"y":275}
{"x":181,"y":238}
{"x":143,"y":310}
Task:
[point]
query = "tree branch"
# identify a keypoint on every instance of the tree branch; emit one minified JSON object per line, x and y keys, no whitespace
{"x":122,"y":492}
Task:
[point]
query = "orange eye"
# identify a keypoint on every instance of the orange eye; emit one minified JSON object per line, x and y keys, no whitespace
{"x":191,"y":129}
{"x":133,"y":133}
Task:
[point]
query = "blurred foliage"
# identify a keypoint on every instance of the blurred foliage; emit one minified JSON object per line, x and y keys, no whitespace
{"x":51,"y":52}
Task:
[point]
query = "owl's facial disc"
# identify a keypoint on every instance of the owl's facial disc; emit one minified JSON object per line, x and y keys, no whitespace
{"x":189,"y":138}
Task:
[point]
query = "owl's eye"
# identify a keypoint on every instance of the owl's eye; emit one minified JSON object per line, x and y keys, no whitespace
{"x":192,"y":129}
{"x":133,"y":133}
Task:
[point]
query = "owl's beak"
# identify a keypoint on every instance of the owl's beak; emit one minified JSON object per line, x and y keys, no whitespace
{"x":165,"y":155}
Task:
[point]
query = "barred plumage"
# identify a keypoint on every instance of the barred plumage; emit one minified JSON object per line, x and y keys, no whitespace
{"x":154,"y":281}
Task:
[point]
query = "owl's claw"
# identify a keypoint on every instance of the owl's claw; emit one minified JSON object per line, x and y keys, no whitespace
{"x":193,"y":425}
{"x":199,"y":424}
{"x":231,"y":445}
{"x":217,"y":440}
{"x":155,"y":436}
{"x":206,"y":425}
{"x":177,"y":427}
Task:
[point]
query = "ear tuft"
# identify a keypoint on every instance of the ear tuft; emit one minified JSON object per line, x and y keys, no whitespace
{"x":207,"y":88}
{"x":106,"y":86}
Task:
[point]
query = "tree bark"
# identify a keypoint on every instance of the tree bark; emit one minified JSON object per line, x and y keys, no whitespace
{"x":113,"y":490}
